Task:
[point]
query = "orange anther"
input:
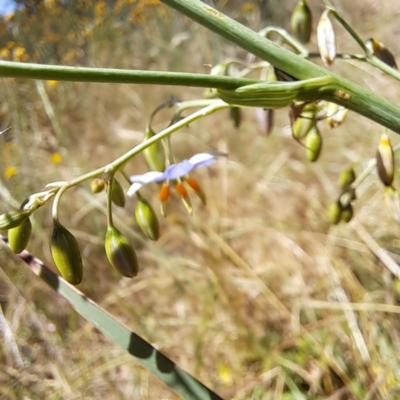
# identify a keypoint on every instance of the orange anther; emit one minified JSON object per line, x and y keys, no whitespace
{"x":193,"y":184}
{"x":181,"y":190}
{"x":164,"y":192}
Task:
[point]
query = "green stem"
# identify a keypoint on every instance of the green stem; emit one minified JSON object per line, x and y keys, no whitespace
{"x":57,"y":200}
{"x":109,"y":203}
{"x":349,"y":95}
{"x":79,"y":74}
{"x":119,"y":162}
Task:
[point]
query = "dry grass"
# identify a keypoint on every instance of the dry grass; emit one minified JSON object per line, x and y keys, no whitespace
{"x":256,"y":295}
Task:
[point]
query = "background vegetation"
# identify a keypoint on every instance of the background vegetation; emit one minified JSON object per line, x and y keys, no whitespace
{"x":245,"y":294}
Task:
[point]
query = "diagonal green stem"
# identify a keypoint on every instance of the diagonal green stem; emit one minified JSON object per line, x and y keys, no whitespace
{"x":348,"y":94}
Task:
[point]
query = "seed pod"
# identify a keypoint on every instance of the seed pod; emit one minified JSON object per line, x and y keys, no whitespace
{"x":97,"y":185}
{"x":235,"y":114}
{"x":336,"y":115}
{"x":347,"y":214}
{"x":120,"y":253}
{"x":334,"y":212}
{"x":313,"y":144}
{"x":346,"y":178}
{"x":147,"y":219}
{"x":382,"y":52}
{"x":117,"y":193}
{"x":385,"y":160}
{"x":13,"y":218}
{"x":326,"y":39}
{"x":301,"y":22}
{"x":18,"y":237}
{"x":302,"y":125}
{"x":66,"y":254}
{"x":154,"y":154}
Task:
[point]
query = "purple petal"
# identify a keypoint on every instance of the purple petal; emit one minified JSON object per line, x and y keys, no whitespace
{"x":204,"y":159}
{"x":175,"y":171}
{"x":134,"y":188}
{"x":148,"y":177}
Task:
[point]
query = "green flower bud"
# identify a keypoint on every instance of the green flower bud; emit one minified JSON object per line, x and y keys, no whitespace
{"x":117,"y":193}
{"x":13,"y":218}
{"x":347,"y":214}
{"x":235,"y":114}
{"x":147,"y":219}
{"x":301,"y":22}
{"x":346,"y":178}
{"x":120,"y":253}
{"x":313,"y":144}
{"x":302,"y":125}
{"x":154,"y":154}
{"x":66,"y":254}
{"x":97,"y":185}
{"x":334,"y":212}
{"x":19,"y":236}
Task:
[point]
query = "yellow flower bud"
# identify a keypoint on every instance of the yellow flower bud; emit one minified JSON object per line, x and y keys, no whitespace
{"x":313,"y":144}
{"x":97,"y":185}
{"x":346,"y":178}
{"x":117,"y":193}
{"x":382,"y":52}
{"x":347,"y":213}
{"x":334,"y":212}
{"x":154,"y":154}
{"x":13,"y":218}
{"x":385,"y":160}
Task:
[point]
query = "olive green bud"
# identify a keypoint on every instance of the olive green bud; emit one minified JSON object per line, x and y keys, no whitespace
{"x":303,"y":124}
{"x":346,"y":178}
{"x":301,"y":22}
{"x":120,"y":253}
{"x":117,"y":193}
{"x":18,"y":237}
{"x":13,"y":218}
{"x":235,"y":114}
{"x":382,"y":52}
{"x":334,"y":212}
{"x":326,"y":39}
{"x":147,"y":219}
{"x":66,"y":254}
{"x":385,"y":160}
{"x":97,"y":185}
{"x":347,"y":213}
{"x":313,"y":144}
{"x":154,"y":154}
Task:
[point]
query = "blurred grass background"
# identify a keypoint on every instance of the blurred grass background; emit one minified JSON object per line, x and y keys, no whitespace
{"x":245,"y":294}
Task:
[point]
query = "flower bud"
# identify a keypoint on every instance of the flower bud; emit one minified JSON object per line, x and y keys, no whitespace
{"x":313,"y":144}
{"x":66,"y":254}
{"x":120,"y":253}
{"x":302,"y":125}
{"x":117,"y":193}
{"x":301,"y":22}
{"x":154,"y":154}
{"x":336,"y":115}
{"x":347,"y":213}
{"x":19,"y":236}
{"x":13,"y":218}
{"x":235,"y":114}
{"x":385,"y":160}
{"x":147,"y":219}
{"x":97,"y":185}
{"x":326,"y":39}
{"x":346,"y":178}
{"x":334,"y":212}
{"x":382,"y":52}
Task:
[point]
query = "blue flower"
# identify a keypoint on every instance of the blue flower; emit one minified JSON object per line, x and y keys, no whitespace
{"x":176,"y":172}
